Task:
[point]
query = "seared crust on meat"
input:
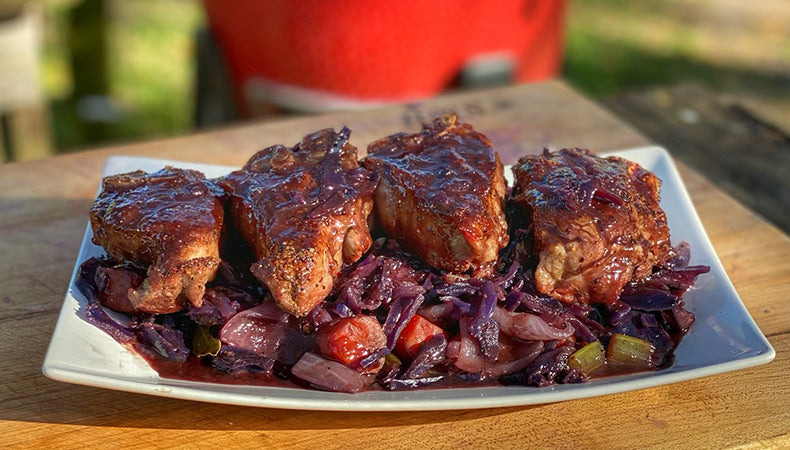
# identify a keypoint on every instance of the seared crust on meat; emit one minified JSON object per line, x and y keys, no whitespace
{"x":170,"y":222}
{"x":304,"y":212}
{"x":441,"y":194}
{"x":597,"y":223}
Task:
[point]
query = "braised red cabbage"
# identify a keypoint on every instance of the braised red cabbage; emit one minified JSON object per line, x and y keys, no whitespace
{"x":495,"y":329}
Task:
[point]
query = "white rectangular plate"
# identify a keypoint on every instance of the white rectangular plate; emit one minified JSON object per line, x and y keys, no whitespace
{"x":723,"y":338}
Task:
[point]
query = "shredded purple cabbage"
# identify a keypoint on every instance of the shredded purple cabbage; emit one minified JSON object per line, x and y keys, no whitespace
{"x":232,"y":359}
{"x":165,"y":340}
{"x":484,"y":322}
{"x":483,"y":327}
{"x":544,"y":370}
{"x":407,"y":299}
{"x":219,"y":305}
{"x":98,"y":317}
{"x":431,"y":353}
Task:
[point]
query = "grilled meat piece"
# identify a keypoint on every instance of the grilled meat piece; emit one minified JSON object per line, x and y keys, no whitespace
{"x":169,"y":221}
{"x":597,"y":223}
{"x":441,"y":194}
{"x":304,"y":212}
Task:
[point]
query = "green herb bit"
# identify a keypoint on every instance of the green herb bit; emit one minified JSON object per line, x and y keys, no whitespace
{"x":203,"y":343}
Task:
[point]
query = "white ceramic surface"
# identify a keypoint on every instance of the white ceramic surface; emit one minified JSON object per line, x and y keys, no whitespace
{"x":723,"y":338}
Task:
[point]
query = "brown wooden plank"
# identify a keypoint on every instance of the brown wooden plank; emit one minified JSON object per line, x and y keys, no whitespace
{"x":745,"y":156}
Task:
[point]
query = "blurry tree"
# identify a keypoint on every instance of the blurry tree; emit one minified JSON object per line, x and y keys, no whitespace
{"x":87,"y":39}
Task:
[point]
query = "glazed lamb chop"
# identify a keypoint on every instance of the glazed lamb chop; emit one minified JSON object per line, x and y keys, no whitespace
{"x":304,"y":212}
{"x":597,"y":223}
{"x":441,"y":194}
{"x":170,"y":222}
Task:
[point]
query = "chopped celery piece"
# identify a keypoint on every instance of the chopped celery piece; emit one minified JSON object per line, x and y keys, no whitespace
{"x":588,"y":358}
{"x":629,"y":350}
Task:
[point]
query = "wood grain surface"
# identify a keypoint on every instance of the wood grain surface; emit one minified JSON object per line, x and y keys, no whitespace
{"x":43,"y":214}
{"x":718,"y":136}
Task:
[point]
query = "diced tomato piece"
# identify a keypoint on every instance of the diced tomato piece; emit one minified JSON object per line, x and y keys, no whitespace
{"x":351,"y":339}
{"x":418,"y":330}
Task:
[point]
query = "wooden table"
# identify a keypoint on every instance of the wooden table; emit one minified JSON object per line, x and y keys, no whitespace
{"x":43,"y":212}
{"x":720,"y":136}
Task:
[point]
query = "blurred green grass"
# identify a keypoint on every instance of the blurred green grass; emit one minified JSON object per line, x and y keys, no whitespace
{"x":611,"y":46}
{"x":150,"y":43}
{"x":154,"y":80}
{"x":736,"y":48}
